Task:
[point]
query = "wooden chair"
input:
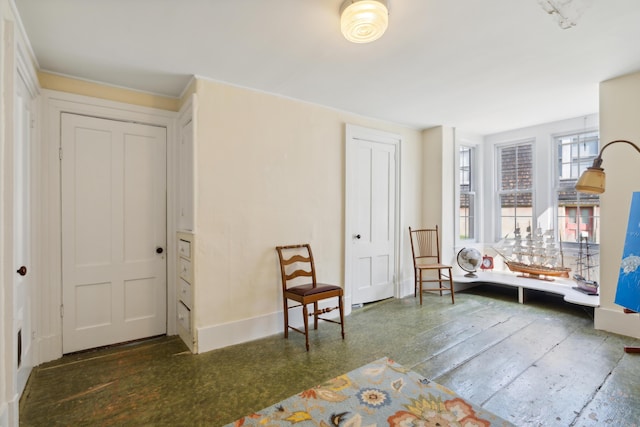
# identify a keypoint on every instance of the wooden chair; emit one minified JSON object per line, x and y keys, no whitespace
{"x":425,"y":248}
{"x":296,"y":265}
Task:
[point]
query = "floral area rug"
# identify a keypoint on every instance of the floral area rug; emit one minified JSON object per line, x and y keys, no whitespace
{"x":380,"y":393}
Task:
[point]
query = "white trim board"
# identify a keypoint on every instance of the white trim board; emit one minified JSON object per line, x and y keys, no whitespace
{"x":4,"y":414}
{"x":618,"y":322}
{"x":245,"y":330}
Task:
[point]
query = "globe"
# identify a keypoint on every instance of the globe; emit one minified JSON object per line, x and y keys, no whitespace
{"x":469,"y":259}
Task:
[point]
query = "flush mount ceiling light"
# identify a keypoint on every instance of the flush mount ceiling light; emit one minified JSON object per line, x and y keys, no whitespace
{"x":363,"y":21}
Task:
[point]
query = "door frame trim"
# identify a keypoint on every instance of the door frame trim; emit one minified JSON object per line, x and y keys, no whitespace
{"x":352,"y":133}
{"x":54,"y":103}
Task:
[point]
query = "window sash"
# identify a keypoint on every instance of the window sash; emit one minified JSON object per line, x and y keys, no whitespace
{"x":515,"y":188}
{"x":467,"y":195}
{"x":577,"y":213}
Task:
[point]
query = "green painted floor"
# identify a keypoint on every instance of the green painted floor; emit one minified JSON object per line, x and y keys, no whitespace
{"x":538,"y":364}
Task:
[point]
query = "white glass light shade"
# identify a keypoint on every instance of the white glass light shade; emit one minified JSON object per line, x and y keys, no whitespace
{"x":363,"y":21}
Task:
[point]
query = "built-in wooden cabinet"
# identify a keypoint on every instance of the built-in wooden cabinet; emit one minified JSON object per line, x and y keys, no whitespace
{"x":185,"y":225}
{"x":185,"y":168}
{"x":185,"y":290}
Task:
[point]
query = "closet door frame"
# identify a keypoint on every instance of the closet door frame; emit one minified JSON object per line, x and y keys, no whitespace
{"x":55,"y":103}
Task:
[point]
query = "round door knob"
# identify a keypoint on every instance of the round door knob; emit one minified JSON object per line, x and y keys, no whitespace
{"x":22,"y":271}
{"x":159,"y":250}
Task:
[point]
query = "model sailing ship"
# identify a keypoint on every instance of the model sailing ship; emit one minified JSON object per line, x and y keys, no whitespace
{"x":536,"y":256}
{"x":584,"y":265}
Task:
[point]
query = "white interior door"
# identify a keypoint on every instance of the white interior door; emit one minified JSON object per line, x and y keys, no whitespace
{"x":22,"y":293}
{"x":113,"y":231}
{"x":371,"y":213}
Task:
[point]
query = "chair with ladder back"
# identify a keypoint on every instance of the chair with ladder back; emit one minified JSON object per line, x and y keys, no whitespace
{"x":425,"y":248}
{"x":299,"y":284}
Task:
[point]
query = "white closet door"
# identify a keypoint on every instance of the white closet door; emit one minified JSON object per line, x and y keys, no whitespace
{"x":371,"y":206}
{"x":113,"y":231}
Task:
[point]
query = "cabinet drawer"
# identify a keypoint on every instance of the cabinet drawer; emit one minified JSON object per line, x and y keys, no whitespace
{"x":185,"y":293}
{"x":185,"y":269}
{"x":184,"y":316}
{"x":184,"y":248}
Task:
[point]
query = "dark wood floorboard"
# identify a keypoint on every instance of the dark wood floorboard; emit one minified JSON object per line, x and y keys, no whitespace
{"x":537,"y":364}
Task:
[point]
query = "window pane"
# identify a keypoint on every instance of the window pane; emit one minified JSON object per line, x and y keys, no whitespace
{"x":508,"y":168}
{"x":515,"y":183}
{"x":578,"y":213}
{"x":466,"y":214}
{"x":516,"y":212}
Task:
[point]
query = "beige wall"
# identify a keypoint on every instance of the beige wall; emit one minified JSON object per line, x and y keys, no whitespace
{"x":432,"y":167}
{"x":437,"y":199}
{"x":271,"y":171}
{"x":619,"y":112}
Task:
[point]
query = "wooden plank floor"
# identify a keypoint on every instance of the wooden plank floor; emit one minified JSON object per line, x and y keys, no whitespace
{"x":538,"y":364}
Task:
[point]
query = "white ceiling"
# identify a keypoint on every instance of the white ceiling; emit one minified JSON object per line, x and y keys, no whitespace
{"x":482,"y":66}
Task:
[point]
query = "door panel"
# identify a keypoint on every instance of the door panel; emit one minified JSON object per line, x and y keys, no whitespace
{"x":22,"y":330}
{"x":113,"y":220}
{"x":372,"y":163}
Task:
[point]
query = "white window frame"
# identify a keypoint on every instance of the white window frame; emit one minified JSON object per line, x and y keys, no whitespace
{"x":473,"y":142}
{"x":544,"y":170}
{"x":557,"y":179}
{"x":497,"y":185}
{"x":471,"y":192}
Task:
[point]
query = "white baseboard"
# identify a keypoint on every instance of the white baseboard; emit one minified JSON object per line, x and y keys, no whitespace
{"x":4,"y":415}
{"x":219,"y":336}
{"x":618,"y":322}
{"x":9,"y":413}
{"x":49,"y":348}
{"x":407,"y":287}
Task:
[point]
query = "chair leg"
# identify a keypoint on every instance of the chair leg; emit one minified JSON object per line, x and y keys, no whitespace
{"x":440,"y":280}
{"x":420,"y":286}
{"x":305,"y":314}
{"x":286,"y":318}
{"x":451,"y":286}
{"x":415,"y":283}
{"x":341,"y":315}
{"x":315,"y":315}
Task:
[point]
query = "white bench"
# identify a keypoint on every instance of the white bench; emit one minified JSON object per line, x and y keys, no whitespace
{"x":559,"y":286}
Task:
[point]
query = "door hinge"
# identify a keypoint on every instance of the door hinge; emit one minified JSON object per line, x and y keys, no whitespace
{"x":60,"y":154}
{"x":61,"y":310}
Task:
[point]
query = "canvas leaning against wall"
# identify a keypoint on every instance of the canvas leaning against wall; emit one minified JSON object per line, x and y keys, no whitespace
{"x":628,"y":290}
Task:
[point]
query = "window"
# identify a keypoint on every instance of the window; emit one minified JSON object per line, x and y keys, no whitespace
{"x":467,"y":214}
{"x":515,"y":188}
{"x":578,"y":213}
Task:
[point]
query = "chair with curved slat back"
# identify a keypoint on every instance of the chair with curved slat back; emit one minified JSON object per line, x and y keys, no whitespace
{"x":425,"y":248}
{"x":297,"y":265}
